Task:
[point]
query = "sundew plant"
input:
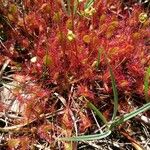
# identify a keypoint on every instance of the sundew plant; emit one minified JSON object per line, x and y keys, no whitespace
{"x":72,"y":70}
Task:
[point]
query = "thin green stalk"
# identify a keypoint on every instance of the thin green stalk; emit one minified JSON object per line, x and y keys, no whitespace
{"x":114,"y":92}
{"x":87,"y":137}
{"x":88,"y":4}
{"x":114,"y":87}
{"x":130,"y":115}
{"x":69,"y":7}
{"x":146,"y":84}
{"x":99,"y":57}
{"x":97,"y":112}
{"x":75,"y":8}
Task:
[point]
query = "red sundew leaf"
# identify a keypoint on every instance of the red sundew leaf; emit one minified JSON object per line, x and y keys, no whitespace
{"x":34,"y":23}
{"x":46,"y":132}
{"x":101,"y":6}
{"x":88,"y":74}
{"x":127,"y":51}
{"x":25,"y":142}
{"x":84,"y":91}
{"x":107,"y":112}
{"x":133,"y":21}
{"x":33,"y":109}
{"x":40,"y":52}
{"x":135,"y":69}
{"x":102,"y":29}
{"x":45,"y":8}
{"x":124,"y":107}
{"x":87,"y":38}
{"x":124,"y":84}
{"x":106,"y":76}
{"x":139,"y":88}
{"x":85,"y":122}
{"x":111,"y":29}
{"x":67,"y":120}
{"x":43,"y":94}
{"x":136,"y":36}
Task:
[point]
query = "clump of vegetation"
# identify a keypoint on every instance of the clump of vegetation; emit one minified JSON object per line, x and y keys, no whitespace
{"x":72,"y":68}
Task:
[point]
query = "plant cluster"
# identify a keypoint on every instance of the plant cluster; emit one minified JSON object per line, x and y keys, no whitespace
{"x":63,"y":57}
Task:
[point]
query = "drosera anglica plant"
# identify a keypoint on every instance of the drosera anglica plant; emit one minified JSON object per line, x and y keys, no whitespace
{"x":93,"y":54}
{"x":115,"y":122}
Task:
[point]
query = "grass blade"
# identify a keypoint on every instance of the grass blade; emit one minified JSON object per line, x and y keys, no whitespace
{"x":87,"y":137}
{"x":97,"y":112}
{"x":114,"y":87}
{"x":68,"y":7}
{"x":114,"y":92}
{"x":76,"y":3}
{"x":130,"y":115}
{"x":146,"y":84}
{"x":99,"y":57}
{"x":108,"y":132}
{"x":136,"y":112}
{"x":88,"y":4}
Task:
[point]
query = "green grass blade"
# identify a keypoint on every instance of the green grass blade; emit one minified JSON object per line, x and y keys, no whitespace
{"x":108,"y":132}
{"x":114,"y":87}
{"x":114,"y":92}
{"x":130,"y":115}
{"x":136,"y":112}
{"x":69,"y":7}
{"x":88,"y":4}
{"x":146,"y":84}
{"x":87,"y":137}
{"x":97,"y":112}
{"x":76,"y":3}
